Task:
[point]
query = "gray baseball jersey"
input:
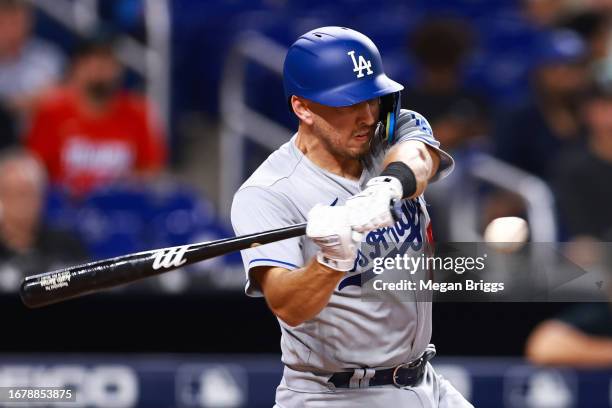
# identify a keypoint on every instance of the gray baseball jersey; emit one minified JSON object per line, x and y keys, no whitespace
{"x":348,"y":332}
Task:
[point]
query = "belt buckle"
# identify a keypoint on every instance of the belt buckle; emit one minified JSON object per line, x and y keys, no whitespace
{"x":411,"y":364}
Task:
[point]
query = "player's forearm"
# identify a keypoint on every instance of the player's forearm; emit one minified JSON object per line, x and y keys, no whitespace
{"x":421,"y":159}
{"x":299,"y":295}
{"x":557,"y":343}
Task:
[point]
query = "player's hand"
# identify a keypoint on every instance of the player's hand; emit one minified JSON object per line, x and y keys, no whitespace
{"x":330,"y":229}
{"x":371,"y":209}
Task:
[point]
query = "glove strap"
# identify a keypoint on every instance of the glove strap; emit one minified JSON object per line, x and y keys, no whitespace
{"x":343,"y":265}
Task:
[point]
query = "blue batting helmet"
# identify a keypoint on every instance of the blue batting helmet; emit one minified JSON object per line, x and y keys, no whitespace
{"x":337,"y":66}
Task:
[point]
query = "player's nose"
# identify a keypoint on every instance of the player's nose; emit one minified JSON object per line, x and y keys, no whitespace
{"x":368,"y":113}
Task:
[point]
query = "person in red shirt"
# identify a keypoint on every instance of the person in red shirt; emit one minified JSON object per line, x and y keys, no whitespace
{"x":90,"y":133}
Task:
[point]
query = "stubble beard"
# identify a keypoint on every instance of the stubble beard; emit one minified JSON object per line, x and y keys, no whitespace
{"x":334,"y":149}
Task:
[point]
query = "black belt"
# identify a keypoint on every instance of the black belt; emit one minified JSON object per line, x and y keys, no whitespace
{"x":404,"y":375}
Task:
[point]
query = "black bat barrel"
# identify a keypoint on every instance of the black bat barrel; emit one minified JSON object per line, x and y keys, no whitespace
{"x":56,"y":286}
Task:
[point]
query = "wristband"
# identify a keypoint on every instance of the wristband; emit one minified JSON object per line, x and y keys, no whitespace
{"x":404,"y":174}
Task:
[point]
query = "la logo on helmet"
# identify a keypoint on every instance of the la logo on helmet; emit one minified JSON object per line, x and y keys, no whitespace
{"x":363,"y":64}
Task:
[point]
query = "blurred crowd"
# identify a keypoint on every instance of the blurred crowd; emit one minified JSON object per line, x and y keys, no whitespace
{"x":72,"y":113}
{"x":68,"y":123}
{"x":561,"y":133}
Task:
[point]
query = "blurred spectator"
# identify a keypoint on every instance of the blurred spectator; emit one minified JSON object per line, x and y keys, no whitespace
{"x":583,"y":175}
{"x":456,"y":114}
{"x":28,"y":66}
{"x":90,"y":133}
{"x":26,"y":246}
{"x":581,"y":336}
{"x":531,"y":136}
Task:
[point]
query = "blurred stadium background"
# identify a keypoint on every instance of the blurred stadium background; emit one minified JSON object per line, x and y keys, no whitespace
{"x":518,"y":91}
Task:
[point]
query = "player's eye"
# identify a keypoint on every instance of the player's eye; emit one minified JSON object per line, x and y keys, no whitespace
{"x":371,"y":103}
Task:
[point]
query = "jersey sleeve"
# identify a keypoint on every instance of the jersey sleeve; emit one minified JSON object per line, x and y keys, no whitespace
{"x":412,"y":125}
{"x":256,"y":209}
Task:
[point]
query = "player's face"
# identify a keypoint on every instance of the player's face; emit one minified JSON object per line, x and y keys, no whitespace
{"x":346,"y":131}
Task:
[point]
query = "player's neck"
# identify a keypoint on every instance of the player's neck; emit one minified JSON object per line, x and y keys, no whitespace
{"x":318,"y":153}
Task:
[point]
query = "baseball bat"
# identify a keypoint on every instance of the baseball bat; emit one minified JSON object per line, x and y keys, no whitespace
{"x":57,"y":286}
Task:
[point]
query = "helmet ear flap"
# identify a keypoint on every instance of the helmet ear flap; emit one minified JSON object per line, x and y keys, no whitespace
{"x":390,"y":127}
{"x":389,"y":111}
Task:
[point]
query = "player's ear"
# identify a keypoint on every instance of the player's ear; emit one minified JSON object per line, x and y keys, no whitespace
{"x":301,"y":109}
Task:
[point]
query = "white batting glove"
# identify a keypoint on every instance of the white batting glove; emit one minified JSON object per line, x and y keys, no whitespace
{"x":371,"y":209}
{"x":330,"y":229}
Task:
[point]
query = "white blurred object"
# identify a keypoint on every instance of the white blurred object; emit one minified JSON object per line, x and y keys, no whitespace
{"x":548,"y":390}
{"x":220,"y":389}
{"x":10,"y":278}
{"x":506,"y":234}
{"x":174,"y":282}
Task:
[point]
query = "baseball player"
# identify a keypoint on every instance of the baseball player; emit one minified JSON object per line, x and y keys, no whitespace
{"x":353,"y":154}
